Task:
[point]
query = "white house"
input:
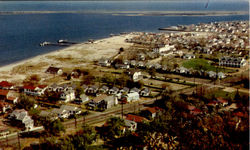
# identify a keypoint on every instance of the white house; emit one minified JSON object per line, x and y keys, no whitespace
{"x":164,"y":49}
{"x":188,"y":56}
{"x":22,"y":116}
{"x":130,"y":97}
{"x":135,"y":75}
{"x":130,"y":125}
{"x":67,"y":96}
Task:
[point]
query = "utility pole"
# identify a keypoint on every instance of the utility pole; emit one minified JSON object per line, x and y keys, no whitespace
{"x":122,"y":109}
{"x":19,"y":143}
{"x":75,"y":121}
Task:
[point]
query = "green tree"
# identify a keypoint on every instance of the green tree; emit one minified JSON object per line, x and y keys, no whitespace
{"x":53,"y":127}
{"x":113,"y":130}
{"x":25,"y":102}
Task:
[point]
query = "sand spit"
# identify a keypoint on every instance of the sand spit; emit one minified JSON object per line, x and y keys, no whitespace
{"x":79,"y":55}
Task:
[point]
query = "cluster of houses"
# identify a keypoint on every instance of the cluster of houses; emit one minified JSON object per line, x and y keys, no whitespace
{"x":108,"y":97}
{"x":232,"y":62}
{"x":136,"y":74}
{"x":65,"y":111}
{"x":223,"y":37}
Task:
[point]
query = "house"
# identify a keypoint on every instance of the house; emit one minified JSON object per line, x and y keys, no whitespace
{"x":21,"y":117}
{"x":141,"y":64}
{"x":82,"y":99}
{"x":103,"y":89}
{"x":182,"y":70}
{"x":145,"y":92}
{"x":222,"y":101}
{"x":12,"y":100}
{"x":61,"y":113}
{"x":71,"y":109}
{"x":196,"y":111}
{"x":92,"y":89}
{"x":135,"y":118}
{"x":67,"y":96}
{"x":130,"y":97}
{"x":54,"y":70}
{"x":113,"y":91}
{"x":85,"y":88}
{"x":232,"y":62}
{"x":103,"y":102}
{"x":134,"y":90}
{"x":163,"y":49}
{"x":121,"y":66}
{"x":152,"y":112}
{"x":188,"y":56}
{"x":124,"y":90}
{"x":40,"y":89}
{"x":157,"y":66}
{"x":135,"y":75}
{"x":47,"y":114}
{"x":3,"y":94}
{"x":221,"y":75}
{"x":4,"y":106}
{"x":110,"y":101}
{"x":6,"y":85}
{"x":97,"y":101}
{"x":212,"y":74}
{"x":104,"y":62}
{"x":130,"y":125}
{"x":30,"y":90}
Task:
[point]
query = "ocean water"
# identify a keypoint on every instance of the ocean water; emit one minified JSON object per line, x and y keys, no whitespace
{"x":20,"y":34}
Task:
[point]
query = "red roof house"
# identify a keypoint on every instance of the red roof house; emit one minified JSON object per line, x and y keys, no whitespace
{"x":135,"y":118}
{"x":5,"y":85}
{"x":3,"y":94}
{"x":222,"y":101}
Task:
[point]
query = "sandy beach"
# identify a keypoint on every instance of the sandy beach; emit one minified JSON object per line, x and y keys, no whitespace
{"x":75,"y":56}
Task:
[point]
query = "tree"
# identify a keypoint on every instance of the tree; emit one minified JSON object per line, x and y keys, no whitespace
{"x":112,"y":129}
{"x":32,"y":80}
{"x":51,"y":96}
{"x":81,"y":140}
{"x":25,"y":102}
{"x":53,"y":127}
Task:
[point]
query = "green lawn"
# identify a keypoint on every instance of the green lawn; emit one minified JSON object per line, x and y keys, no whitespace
{"x":202,"y":64}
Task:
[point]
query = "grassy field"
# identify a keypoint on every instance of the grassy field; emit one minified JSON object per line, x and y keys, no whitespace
{"x":202,"y":64}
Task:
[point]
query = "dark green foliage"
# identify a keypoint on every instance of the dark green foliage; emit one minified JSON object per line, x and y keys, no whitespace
{"x":112,"y":128}
{"x":25,"y":102}
{"x":53,"y":127}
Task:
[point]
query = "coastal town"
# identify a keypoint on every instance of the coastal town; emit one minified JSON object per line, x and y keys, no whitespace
{"x":188,"y":78}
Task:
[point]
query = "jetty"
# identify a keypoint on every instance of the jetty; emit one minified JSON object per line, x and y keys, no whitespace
{"x":59,"y":43}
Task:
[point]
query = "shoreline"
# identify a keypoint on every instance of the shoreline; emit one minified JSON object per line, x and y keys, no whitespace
{"x":78,"y":55}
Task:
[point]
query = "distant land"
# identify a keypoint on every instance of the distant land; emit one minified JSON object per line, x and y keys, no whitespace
{"x":136,"y":13}
{"x":124,"y":0}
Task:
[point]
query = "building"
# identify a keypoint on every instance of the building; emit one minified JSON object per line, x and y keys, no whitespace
{"x":130,"y":97}
{"x":54,"y":70}
{"x":21,"y":118}
{"x":145,"y":92}
{"x":188,"y":56}
{"x":103,"y":102}
{"x":135,"y":75}
{"x":6,"y":85}
{"x":164,"y":49}
{"x":232,"y":62}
